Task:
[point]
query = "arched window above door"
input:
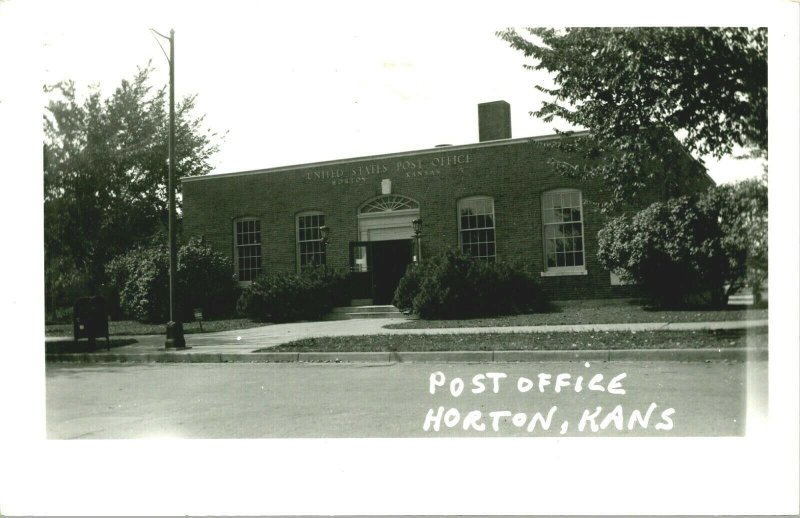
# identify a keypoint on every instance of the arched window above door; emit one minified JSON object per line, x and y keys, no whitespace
{"x":388,"y":203}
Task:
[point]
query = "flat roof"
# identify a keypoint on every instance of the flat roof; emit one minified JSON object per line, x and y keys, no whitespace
{"x":440,"y":149}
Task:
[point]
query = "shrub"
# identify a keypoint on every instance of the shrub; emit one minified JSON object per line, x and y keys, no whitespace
{"x":519,"y":288}
{"x":287,"y":297}
{"x":205,"y":280}
{"x":141,"y":277}
{"x":408,"y":287}
{"x":672,"y":249}
{"x":62,"y":315}
{"x":455,"y":285}
{"x":447,"y":287}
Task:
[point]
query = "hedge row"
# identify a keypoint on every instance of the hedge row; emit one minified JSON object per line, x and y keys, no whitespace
{"x":287,"y":297}
{"x":455,"y":285}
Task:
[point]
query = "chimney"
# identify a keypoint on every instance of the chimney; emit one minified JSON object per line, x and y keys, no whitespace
{"x":494,"y":121}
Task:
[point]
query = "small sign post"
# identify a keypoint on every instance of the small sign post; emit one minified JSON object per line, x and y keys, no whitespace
{"x":198,"y":315}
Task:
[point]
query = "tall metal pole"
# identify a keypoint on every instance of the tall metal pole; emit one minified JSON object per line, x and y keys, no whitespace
{"x":175,"y":338}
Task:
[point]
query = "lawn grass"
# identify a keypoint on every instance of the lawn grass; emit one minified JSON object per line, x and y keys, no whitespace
{"x":593,"y":312}
{"x":131,"y":327}
{"x":588,"y":340}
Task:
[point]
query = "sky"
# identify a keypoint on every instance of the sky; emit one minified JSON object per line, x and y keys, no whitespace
{"x":315,"y":81}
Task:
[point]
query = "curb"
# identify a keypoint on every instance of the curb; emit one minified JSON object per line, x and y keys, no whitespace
{"x":681,"y":355}
{"x":690,"y":355}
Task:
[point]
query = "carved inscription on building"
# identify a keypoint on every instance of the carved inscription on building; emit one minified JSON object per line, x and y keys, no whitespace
{"x":409,"y":168}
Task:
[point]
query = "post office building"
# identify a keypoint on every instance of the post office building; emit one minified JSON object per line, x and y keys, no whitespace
{"x":499,"y":199}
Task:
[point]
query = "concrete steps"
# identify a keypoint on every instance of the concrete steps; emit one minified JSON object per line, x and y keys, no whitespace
{"x":351,"y":312}
{"x":740,"y":300}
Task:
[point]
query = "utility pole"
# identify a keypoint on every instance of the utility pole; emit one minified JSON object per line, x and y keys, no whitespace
{"x":175,"y":338}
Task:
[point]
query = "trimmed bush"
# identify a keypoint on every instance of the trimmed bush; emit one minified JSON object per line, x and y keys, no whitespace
{"x":289,"y":297}
{"x":672,"y":250}
{"x":408,"y":287}
{"x":455,"y":285}
{"x":519,"y":288}
{"x":141,"y":278}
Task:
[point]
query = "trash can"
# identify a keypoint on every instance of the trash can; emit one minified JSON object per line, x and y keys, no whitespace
{"x":90,"y":319}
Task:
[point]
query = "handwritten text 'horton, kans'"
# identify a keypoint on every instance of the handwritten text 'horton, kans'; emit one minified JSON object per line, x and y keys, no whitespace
{"x":591,"y":420}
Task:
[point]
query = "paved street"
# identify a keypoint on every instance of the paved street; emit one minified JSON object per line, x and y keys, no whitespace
{"x":262,"y":400}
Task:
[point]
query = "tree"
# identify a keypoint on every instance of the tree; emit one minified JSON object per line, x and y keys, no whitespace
{"x":686,"y":248}
{"x":673,"y":250}
{"x":743,"y":217}
{"x":638,"y":89}
{"x":105,"y":172}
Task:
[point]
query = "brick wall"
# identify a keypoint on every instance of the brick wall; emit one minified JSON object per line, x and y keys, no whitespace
{"x":514,"y":173}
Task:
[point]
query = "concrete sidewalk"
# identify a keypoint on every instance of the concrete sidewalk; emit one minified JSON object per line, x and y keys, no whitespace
{"x":228,"y":344}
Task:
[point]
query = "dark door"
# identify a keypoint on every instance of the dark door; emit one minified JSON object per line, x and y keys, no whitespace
{"x":361,"y":270}
{"x":389,"y":262}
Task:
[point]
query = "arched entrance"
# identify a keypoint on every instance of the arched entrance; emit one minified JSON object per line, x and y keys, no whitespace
{"x":384,"y":249}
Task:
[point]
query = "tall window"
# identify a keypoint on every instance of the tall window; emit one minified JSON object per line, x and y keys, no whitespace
{"x":310,"y":250}
{"x":247,"y":249}
{"x":562,"y":217}
{"x":476,"y":227}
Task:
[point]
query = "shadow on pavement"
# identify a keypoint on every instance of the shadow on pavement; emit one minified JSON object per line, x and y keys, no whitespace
{"x":83,"y":346}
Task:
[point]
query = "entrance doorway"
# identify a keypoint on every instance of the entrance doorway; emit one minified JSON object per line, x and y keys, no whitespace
{"x":384,"y":248}
{"x":390,"y":258}
{"x":376,"y":268}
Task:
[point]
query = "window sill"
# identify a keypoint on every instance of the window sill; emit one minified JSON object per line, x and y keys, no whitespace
{"x":562,"y":273}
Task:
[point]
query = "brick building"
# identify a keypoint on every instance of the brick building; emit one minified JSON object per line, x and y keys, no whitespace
{"x":497,"y":199}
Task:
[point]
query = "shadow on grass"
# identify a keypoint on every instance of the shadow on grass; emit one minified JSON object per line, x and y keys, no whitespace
{"x":83,"y":346}
{"x":543,"y":308}
{"x":654,"y":307}
{"x":693,"y":308}
{"x":549,"y":307}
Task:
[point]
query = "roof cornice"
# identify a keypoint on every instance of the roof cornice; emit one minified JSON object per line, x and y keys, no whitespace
{"x":442,"y":149}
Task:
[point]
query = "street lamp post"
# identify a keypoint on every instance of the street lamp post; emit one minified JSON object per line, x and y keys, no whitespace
{"x":418,"y":235}
{"x":175,"y":338}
